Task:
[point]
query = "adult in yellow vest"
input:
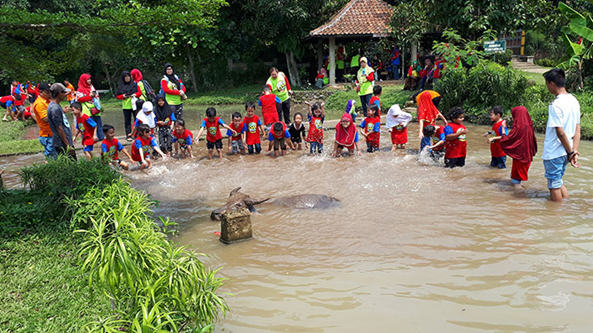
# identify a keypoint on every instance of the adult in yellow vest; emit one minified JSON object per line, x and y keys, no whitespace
{"x":355,"y":63}
{"x":364,"y":83}
{"x":278,"y":83}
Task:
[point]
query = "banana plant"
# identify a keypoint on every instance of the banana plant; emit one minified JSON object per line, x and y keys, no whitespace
{"x":581,"y":24}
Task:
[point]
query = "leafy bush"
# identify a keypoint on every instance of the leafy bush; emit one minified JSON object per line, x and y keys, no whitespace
{"x":479,"y":88}
{"x":503,"y":58}
{"x":23,"y":211}
{"x":153,"y":284}
{"x":66,"y":178}
{"x":546,"y":62}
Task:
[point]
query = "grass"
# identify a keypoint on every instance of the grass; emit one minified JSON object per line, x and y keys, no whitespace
{"x":41,"y":287}
{"x":10,"y":138}
{"x":20,"y":147}
{"x":536,"y":77}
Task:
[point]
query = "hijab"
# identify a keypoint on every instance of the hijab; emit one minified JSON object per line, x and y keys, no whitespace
{"x":172,"y":77}
{"x":163,"y":112}
{"x":345,"y":136}
{"x":126,"y":88}
{"x":136,"y":75}
{"x":521,"y":143}
{"x":426,"y":109}
{"x":350,"y":106}
{"x":145,"y":118}
{"x":396,"y":116}
{"x":83,"y":87}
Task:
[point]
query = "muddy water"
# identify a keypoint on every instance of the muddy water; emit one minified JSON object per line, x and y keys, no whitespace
{"x":412,"y":248}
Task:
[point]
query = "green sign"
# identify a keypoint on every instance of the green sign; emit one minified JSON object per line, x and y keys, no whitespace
{"x":495,"y":46}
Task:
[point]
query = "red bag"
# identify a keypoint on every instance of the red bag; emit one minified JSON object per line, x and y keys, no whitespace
{"x":95,"y":111}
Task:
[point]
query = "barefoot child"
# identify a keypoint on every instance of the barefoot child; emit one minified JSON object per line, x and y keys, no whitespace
{"x":372,"y":127}
{"x":316,"y":118}
{"x":499,"y":129}
{"x":397,"y":122}
{"x":455,"y":140}
{"x":85,"y":126}
{"x":437,"y":137}
{"x":182,"y":139}
{"x":142,"y":145}
{"x":145,"y":116}
{"x":297,"y":131}
{"x":237,"y":140}
{"x":520,"y":144}
{"x":269,"y":107}
{"x":110,"y":148}
{"x":277,"y":138}
{"x":346,"y":136}
{"x":254,"y":129}
{"x":213,"y":135}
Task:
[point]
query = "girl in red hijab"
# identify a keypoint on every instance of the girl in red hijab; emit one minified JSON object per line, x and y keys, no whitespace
{"x":520,"y":144}
{"x":346,"y":136}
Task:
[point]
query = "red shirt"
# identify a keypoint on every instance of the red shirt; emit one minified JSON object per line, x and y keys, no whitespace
{"x":213,"y":130}
{"x":5,"y":99}
{"x":315,"y":130}
{"x":282,"y":135}
{"x":438,"y":136}
{"x":86,"y":129}
{"x":14,"y":94}
{"x":373,"y":100}
{"x":182,"y":137}
{"x":495,"y":148}
{"x":237,"y":129}
{"x":112,"y":148}
{"x":372,"y":138}
{"x":456,"y":148}
{"x":252,"y":134}
{"x":268,"y":109}
{"x":145,"y":143}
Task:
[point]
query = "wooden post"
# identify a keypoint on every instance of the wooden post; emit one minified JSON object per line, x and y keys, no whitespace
{"x":235,"y":226}
{"x":332,"y":60}
{"x":319,"y":54}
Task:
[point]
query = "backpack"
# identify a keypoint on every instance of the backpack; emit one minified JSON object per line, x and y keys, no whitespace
{"x":150,"y":94}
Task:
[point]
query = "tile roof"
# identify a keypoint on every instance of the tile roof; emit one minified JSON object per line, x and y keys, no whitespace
{"x":358,"y":17}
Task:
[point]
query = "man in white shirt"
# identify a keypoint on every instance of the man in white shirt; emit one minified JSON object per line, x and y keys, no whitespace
{"x":563,"y":134}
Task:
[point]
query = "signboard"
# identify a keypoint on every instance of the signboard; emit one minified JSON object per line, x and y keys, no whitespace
{"x":495,"y":46}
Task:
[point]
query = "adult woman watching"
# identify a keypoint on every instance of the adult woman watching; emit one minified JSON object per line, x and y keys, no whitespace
{"x":91,"y":106}
{"x":127,"y":91}
{"x":364,"y":83}
{"x":174,"y":90}
{"x":278,"y":83}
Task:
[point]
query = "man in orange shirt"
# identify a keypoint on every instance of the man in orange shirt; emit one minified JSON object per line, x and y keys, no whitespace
{"x":39,"y":108}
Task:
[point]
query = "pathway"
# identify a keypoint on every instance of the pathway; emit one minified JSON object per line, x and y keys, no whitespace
{"x":528,"y":67}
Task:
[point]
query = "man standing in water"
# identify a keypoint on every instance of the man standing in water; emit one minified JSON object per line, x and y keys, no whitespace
{"x":563,"y":134}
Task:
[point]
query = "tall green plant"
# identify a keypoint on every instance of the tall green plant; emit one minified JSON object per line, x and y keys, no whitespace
{"x":581,"y":24}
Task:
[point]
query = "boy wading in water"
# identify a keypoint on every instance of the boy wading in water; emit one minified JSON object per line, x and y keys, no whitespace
{"x":563,"y":134}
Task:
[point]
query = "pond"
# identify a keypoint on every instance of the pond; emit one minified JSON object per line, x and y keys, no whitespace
{"x":413,"y":246}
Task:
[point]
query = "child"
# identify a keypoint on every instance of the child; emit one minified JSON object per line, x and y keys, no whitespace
{"x":111,"y":147}
{"x":377,"y":90}
{"x":351,"y":109}
{"x":141,"y":147}
{"x":213,"y":136}
{"x":254,"y":129}
{"x":85,"y":126}
{"x":277,"y":138}
{"x":372,"y":127}
{"x":165,"y":118}
{"x":182,"y":139}
{"x":437,"y":136}
{"x":520,"y":144}
{"x":397,"y":122}
{"x":346,"y":136}
{"x":237,"y":140}
{"x":145,"y":116}
{"x":269,"y":107}
{"x":297,"y":131}
{"x":455,"y":140}
{"x":499,"y":129}
{"x":316,"y":118}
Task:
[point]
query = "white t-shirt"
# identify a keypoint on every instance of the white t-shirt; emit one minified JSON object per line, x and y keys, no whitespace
{"x":565,"y":112}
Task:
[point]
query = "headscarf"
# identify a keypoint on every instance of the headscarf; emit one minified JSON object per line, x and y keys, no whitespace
{"x":83,"y":87}
{"x":147,"y":119}
{"x":163,"y":112}
{"x":126,"y":88}
{"x":426,"y":109}
{"x":172,"y":77}
{"x":521,"y":143}
{"x":396,"y":116}
{"x":345,"y":136}
{"x":136,"y":75}
{"x":323,"y":72}
{"x":350,"y":107}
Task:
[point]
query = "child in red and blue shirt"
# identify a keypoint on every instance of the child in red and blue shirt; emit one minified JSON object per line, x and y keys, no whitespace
{"x":455,"y":139}
{"x":372,"y":127}
{"x":110,"y":147}
{"x":499,"y":129}
{"x":377,"y":90}
{"x":85,"y":126}
{"x":316,"y":118}
{"x":278,"y":139}
{"x":213,"y":135}
{"x":182,"y":139}
{"x":269,"y":106}
{"x":141,"y":147}
{"x":237,"y":140}
{"x":254,"y":129}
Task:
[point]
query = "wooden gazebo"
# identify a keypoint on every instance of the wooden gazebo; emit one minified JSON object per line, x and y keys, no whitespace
{"x":358,"y":19}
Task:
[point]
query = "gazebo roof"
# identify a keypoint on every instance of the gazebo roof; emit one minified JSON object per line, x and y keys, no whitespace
{"x":359,"y":18}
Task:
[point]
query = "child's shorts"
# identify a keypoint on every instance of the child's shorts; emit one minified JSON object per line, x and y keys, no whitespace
{"x":454,"y":162}
{"x":499,"y":162}
{"x":296,"y":139}
{"x":88,"y":148}
{"x":184,"y":147}
{"x":237,"y":146}
{"x":371,"y":148}
{"x":257,"y":146}
{"x":20,"y":108}
{"x":280,"y":144}
{"x":217,"y":144}
{"x":555,"y":169}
